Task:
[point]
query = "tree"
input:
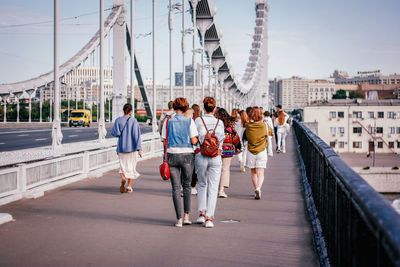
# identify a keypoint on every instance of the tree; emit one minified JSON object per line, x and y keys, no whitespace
{"x":355,"y":94}
{"x":341,"y":94}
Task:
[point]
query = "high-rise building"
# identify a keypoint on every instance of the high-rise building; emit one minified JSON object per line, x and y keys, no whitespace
{"x":189,"y":76}
{"x":293,"y":93}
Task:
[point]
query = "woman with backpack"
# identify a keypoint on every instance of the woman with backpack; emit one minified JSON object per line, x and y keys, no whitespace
{"x":208,"y":161}
{"x":179,"y":135}
{"x":257,"y":137}
{"x":126,"y":128}
{"x":230,"y":146}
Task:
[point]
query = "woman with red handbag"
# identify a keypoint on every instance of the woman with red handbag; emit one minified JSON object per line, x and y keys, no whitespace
{"x":179,"y":138}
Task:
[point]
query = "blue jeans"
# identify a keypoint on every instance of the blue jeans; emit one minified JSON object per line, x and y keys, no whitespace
{"x":208,"y":173}
{"x":181,"y":165}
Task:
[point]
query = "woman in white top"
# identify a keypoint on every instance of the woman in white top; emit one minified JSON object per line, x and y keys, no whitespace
{"x":270,"y":127}
{"x":282,"y":131}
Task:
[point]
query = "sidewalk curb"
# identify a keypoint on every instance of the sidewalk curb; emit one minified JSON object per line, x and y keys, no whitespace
{"x":5,"y":218}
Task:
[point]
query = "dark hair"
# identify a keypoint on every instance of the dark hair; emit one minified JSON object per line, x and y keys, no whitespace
{"x":279,"y":106}
{"x":256,"y":114}
{"x":127,"y":108}
{"x":181,"y":104}
{"x":170,"y":104}
{"x":224,"y":116}
{"x":209,"y":104}
{"x":267,"y":114}
{"x":196,"y":111}
{"x":248,"y":109}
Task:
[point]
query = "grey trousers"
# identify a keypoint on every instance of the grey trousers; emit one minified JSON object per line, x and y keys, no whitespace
{"x":181,"y":166}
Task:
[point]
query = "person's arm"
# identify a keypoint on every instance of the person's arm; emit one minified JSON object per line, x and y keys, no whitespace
{"x":193,"y":133}
{"x":115,"y":130}
{"x":137,"y":136}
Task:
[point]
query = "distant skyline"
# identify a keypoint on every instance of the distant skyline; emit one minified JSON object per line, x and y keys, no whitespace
{"x":306,"y":38}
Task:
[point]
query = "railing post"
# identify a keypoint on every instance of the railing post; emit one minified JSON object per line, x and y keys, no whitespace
{"x":86,"y":162}
{"x":21,"y":178}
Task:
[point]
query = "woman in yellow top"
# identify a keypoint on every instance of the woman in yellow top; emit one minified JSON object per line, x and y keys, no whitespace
{"x":257,"y":137}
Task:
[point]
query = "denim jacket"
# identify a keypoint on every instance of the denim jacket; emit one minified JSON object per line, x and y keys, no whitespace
{"x":179,"y":131}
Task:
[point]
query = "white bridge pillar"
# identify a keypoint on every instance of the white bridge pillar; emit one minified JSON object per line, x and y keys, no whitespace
{"x":119,"y":95}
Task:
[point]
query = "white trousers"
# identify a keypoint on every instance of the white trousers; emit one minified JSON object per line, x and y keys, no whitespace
{"x":282,"y":140}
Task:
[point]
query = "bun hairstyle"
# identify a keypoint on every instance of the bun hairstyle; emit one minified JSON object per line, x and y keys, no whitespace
{"x":181,"y":104}
{"x":209,"y":104}
{"x":256,"y":114}
{"x":127,"y":108}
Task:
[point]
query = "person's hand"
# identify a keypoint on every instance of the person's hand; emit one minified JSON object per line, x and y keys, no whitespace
{"x":140,"y":152}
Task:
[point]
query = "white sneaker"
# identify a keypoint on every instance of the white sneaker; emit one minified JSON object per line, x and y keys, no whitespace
{"x":209,"y":224}
{"x":194,"y":191}
{"x":186,"y":220}
{"x":201,"y":220}
{"x":222,"y":194}
{"x":129,"y":189}
{"x":179,"y":223}
{"x":257,"y":194}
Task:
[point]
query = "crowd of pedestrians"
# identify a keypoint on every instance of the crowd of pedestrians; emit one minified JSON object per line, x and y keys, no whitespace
{"x":200,"y":146}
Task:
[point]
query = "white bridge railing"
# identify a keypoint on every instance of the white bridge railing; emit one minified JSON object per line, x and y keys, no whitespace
{"x":31,"y":179}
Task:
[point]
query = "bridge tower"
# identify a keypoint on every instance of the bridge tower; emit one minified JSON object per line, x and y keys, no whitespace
{"x":119,"y":94}
{"x":261,"y":98}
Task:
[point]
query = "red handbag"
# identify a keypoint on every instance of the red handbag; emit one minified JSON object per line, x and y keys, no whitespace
{"x":164,"y":167}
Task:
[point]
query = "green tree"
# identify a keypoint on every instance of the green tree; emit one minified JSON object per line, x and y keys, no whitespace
{"x":341,"y":94}
{"x":355,"y":94}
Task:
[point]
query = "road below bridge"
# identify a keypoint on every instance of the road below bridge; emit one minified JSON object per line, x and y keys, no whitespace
{"x":22,"y":138}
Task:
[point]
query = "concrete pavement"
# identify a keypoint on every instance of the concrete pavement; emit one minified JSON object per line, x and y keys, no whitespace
{"x":91,"y":223}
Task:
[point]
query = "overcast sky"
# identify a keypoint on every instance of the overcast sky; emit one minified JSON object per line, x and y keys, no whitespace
{"x":309,"y":38}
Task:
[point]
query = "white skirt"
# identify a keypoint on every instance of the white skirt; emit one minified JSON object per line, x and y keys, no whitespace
{"x":257,"y":161}
{"x":127,"y":165}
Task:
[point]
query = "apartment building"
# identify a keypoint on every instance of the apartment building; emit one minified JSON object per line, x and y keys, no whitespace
{"x":320,"y":91}
{"x":357,"y":125}
{"x":293,"y":93}
{"x":371,"y":77}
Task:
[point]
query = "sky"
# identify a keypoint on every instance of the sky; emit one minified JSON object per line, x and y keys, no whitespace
{"x":308,"y":38}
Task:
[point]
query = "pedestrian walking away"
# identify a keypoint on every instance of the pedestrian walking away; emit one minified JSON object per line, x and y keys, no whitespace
{"x":127,"y":129}
{"x":182,"y":135}
{"x":230,"y":147}
{"x":268,"y":121}
{"x":240,"y":127}
{"x":256,"y":134}
{"x":283,"y":129}
{"x":208,"y":167}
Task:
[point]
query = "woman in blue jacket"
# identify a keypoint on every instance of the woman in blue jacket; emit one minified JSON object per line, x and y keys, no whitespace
{"x":126,"y":128}
{"x":182,"y":135}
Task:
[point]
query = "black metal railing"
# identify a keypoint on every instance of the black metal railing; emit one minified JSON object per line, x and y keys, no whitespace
{"x":359,"y":226}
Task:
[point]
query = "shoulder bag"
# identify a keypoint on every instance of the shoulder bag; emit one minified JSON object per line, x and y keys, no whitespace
{"x":164,"y":167}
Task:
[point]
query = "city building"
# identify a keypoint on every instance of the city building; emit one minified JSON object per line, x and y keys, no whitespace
{"x":371,"y":77}
{"x":349,"y":125}
{"x":292,"y":93}
{"x":320,"y":91}
{"x":189,"y":76}
{"x":81,"y":83}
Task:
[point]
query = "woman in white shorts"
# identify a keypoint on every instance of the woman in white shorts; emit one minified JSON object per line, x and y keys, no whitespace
{"x":257,"y":137}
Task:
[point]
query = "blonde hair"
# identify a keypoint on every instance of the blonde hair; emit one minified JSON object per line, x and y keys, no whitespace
{"x":189,"y":113}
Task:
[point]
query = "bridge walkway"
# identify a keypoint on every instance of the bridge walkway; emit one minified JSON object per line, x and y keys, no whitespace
{"x":91,"y":223}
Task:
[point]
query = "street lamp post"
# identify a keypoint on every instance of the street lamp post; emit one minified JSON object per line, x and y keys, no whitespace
{"x":194,"y":67}
{"x":132,"y":59}
{"x":102,"y":127}
{"x":56,"y":131}
{"x":154,"y":119}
